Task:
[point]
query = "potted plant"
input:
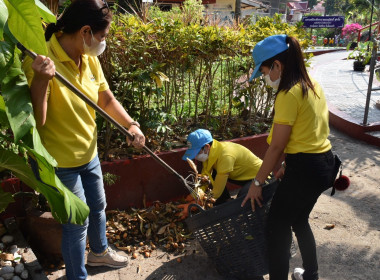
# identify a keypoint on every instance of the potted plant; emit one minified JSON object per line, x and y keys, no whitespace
{"x":361,"y":55}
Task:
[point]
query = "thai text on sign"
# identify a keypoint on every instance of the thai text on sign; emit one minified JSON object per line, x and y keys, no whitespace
{"x":323,"y":22}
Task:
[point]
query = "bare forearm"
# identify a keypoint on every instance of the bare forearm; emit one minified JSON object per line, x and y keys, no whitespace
{"x":272,"y":156}
{"x":112,"y":107}
{"x":117,"y":112}
{"x":38,"y":93}
{"x":281,"y":134}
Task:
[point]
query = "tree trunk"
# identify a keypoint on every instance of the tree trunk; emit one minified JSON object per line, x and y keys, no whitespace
{"x":237,"y":10}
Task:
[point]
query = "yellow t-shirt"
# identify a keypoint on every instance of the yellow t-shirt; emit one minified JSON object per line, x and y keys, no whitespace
{"x":69,"y":133}
{"x":308,"y":116}
{"x":231,"y":161}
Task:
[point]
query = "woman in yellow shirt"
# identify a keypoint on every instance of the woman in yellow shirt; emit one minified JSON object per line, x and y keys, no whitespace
{"x":67,"y":124}
{"x":300,"y":130}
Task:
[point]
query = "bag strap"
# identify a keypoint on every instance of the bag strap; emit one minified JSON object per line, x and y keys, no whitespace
{"x":338,"y":167}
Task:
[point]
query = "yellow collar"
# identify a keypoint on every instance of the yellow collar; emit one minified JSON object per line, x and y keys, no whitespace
{"x":58,"y":51}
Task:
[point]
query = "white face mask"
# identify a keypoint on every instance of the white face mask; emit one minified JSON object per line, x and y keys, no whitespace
{"x":96,"y":48}
{"x":273,"y":84}
{"x":202,"y":157}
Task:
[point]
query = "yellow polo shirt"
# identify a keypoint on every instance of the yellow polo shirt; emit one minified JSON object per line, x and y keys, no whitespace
{"x":231,"y":161}
{"x":308,"y":116}
{"x":69,"y":133}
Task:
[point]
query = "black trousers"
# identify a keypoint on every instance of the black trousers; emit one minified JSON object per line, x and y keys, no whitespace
{"x":306,"y":177}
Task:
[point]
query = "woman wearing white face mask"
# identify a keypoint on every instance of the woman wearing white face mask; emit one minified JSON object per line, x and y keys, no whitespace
{"x":67,"y":125}
{"x":222,"y":162}
{"x":300,"y":130}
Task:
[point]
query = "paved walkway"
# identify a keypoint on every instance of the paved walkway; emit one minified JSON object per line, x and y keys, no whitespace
{"x":344,"y":88}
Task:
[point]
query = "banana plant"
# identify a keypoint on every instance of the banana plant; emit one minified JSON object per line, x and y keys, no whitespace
{"x":21,"y":149}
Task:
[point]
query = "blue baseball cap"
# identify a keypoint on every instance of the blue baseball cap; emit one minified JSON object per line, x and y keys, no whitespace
{"x":197,"y":140}
{"x":265,"y":49}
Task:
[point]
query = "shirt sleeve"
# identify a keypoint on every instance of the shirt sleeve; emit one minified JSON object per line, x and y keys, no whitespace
{"x":103,"y":85}
{"x":219,"y":185}
{"x":225,"y":164}
{"x":286,"y":109}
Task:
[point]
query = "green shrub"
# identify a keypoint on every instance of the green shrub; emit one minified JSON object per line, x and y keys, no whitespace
{"x":189,"y":69}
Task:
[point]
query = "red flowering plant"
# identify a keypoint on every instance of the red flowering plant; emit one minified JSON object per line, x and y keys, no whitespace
{"x":350,"y":31}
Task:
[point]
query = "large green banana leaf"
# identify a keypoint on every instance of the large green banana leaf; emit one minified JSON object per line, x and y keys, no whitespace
{"x":3,"y":17}
{"x":62,"y":201}
{"x":5,"y":199}
{"x":45,"y":13}
{"x":15,"y":92}
{"x":25,"y":24}
{"x":16,"y":112}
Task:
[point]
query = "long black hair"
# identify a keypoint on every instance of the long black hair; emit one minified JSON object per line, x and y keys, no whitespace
{"x":294,"y":70}
{"x":94,"y":13}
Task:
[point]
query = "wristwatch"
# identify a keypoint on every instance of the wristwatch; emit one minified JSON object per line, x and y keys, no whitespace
{"x":134,"y":123}
{"x":257,"y":183}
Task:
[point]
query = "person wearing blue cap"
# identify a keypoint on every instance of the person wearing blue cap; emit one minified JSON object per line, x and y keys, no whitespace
{"x":222,"y":162}
{"x":300,"y":129}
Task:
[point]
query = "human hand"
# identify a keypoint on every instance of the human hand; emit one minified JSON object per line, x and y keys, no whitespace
{"x":139,"y":138}
{"x":254,"y":194}
{"x":43,"y":67}
{"x":185,"y":210}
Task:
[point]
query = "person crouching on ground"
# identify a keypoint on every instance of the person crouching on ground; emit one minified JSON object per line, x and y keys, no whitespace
{"x":300,"y":130}
{"x":222,"y":162}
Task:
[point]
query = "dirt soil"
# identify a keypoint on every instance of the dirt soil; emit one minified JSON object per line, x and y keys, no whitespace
{"x":350,"y":250}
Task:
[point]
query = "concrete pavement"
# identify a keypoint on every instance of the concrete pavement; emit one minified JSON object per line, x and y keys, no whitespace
{"x":345,"y":89}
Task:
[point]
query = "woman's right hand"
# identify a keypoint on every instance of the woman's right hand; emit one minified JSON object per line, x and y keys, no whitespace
{"x":43,"y":67}
{"x":254,"y":194}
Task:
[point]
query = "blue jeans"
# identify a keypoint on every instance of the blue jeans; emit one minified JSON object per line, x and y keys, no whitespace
{"x":306,"y":177}
{"x":86,"y":182}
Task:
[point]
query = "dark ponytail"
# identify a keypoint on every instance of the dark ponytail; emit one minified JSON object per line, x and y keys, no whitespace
{"x":53,"y":28}
{"x":80,"y":13}
{"x":294,"y":69}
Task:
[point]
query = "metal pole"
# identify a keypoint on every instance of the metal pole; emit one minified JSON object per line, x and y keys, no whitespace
{"x":371,"y":73}
{"x":370,"y":21}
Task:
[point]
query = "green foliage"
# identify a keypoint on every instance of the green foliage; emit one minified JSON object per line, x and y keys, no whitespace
{"x":192,"y":11}
{"x":333,"y":7}
{"x":195,"y":72}
{"x":110,"y":179}
{"x":3,"y":18}
{"x":5,"y":199}
{"x":19,"y":138}
{"x":311,"y":4}
{"x":24,"y":26}
{"x":313,"y":14}
{"x":362,"y":52}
